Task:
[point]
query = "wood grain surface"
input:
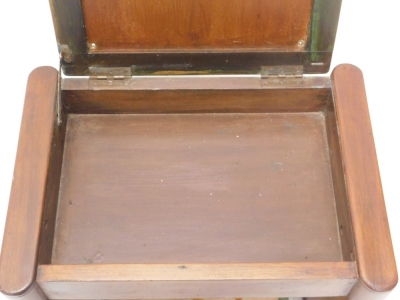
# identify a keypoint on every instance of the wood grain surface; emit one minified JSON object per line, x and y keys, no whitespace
{"x":339,"y":183}
{"x":191,"y":188}
{"x":179,"y":281}
{"x":126,"y":25}
{"x":196,"y":36}
{"x":52,"y":190}
{"x":18,"y":262}
{"x":195,"y":101}
{"x":374,"y":250}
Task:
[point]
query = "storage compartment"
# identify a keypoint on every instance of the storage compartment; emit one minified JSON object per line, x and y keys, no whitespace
{"x":237,"y":175}
{"x":192,"y":187}
{"x":196,"y":188}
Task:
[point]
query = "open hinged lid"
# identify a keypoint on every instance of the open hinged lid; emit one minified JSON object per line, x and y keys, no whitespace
{"x":195,"y":36}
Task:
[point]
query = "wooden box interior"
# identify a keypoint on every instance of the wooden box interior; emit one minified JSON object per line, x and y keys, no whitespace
{"x":196,"y":187}
{"x":234,"y":174}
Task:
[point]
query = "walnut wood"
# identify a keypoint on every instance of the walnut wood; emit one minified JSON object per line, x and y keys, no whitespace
{"x":191,"y":188}
{"x":69,"y":24}
{"x":195,"y":94}
{"x":52,"y":191}
{"x":21,"y":237}
{"x":336,"y":154}
{"x":374,"y":251}
{"x":342,"y":204}
{"x":195,"y":101}
{"x":226,"y":57}
{"x":212,"y":25}
{"x":196,"y":281}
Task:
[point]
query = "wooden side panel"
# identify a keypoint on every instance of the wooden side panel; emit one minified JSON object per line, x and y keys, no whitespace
{"x":342,"y":203}
{"x":374,"y":250}
{"x":195,"y":101}
{"x":138,"y":25}
{"x":52,"y":190}
{"x":195,"y":94}
{"x":196,"y":281}
{"x":21,"y":237}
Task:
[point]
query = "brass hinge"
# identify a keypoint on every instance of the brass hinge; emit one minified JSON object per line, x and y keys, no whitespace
{"x":282,"y":74}
{"x":104,"y":76}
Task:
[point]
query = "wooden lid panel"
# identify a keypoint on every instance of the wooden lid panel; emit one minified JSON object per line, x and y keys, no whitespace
{"x":208,"y":25}
{"x":195,"y":36}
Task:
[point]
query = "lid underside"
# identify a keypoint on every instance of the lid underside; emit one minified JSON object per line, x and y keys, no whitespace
{"x":195,"y":36}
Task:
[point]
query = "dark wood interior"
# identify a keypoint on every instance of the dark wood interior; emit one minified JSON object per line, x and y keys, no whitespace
{"x":184,"y":25}
{"x":196,"y":188}
{"x":252,"y":176}
{"x":207,"y":187}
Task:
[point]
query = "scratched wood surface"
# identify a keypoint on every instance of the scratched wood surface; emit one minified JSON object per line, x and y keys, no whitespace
{"x":191,"y":188}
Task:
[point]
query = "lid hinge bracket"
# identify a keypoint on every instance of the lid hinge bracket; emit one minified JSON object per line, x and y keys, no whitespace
{"x":108,"y":76}
{"x":282,"y":74}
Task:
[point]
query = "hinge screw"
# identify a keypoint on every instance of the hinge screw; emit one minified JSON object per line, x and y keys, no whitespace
{"x":92,"y":46}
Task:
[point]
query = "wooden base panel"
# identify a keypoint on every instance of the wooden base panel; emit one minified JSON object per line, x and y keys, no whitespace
{"x":196,"y":188}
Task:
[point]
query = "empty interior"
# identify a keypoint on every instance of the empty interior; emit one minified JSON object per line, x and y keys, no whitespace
{"x":252,"y":178}
{"x":184,"y":25}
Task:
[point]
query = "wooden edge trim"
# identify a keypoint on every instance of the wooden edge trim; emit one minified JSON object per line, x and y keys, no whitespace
{"x":324,"y":23}
{"x":196,"y":272}
{"x":18,"y":261}
{"x":374,"y":250}
{"x":174,"y":281}
{"x":69,"y":25}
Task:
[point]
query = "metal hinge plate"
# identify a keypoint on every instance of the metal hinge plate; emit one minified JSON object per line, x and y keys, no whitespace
{"x":282,"y":74}
{"x":103,"y":76}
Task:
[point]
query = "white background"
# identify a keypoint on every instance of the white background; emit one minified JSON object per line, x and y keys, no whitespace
{"x":368,"y":36}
